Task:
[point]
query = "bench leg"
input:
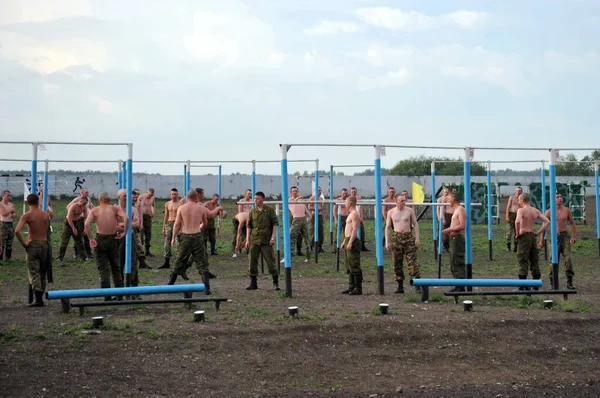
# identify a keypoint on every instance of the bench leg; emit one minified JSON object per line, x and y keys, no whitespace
{"x":456,"y":299}
{"x":81,"y":311}
{"x":65,"y":305}
{"x":188,"y":295}
{"x":424,"y":293}
{"x":217,"y":305}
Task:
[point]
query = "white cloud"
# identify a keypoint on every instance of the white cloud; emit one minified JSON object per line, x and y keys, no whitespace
{"x":396,"y":19}
{"x":331,"y":28}
{"x":104,"y":106}
{"x":17,"y":11}
{"x":564,"y":63}
{"x":390,"y":79}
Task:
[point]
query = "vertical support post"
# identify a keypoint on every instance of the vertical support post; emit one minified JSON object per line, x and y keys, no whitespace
{"x":331,"y":205}
{"x":120,"y":175}
{"x":468,"y":231}
{"x":253,"y":181}
{"x":128,"y":237}
{"x":188,"y":176}
{"x":34,"y":160}
{"x":287,"y":252}
{"x":339,"y":241}
{"x":597,"y":192}
{"x":434,"y":210}
{"x":378,"y":216}
{"x":489,"y":209}
{"x":220,"y":183}
{"x":440,"y":247}
{"x":544,"y":206}
{"x":46,"y":190}
{"x":277,"y":236}
{"x":185,"y":187}
{"x":316,"y":216}
{"x":553,"y":226}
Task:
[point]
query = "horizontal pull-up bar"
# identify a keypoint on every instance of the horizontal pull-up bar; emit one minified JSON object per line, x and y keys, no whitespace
{"x":351,"y":165}
{"x":358,"y":203}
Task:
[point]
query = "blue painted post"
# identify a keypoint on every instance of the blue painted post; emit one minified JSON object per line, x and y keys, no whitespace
{"x":434,"y":211}
{"x":254,"y":180}
{"x":468,"y":231}
{"x":440,"y":246}
{"x":185,"y":187}
{"x":34,"y":161}
{"x":278,"y":235}
{"x":119,"y":291}
{"x":477,"y":282}
{"x":597,"y":204}
{"x":553,"y":226}
{"x":378,"y":216}
{"x":489,"y":209}
{"x":46,"y":188}
{"x":339,"y":240}
{"x":316,"y":216}
{"x":128,"y":237}
{"x":120,"y":175}
{"x":544,"y":207}
{"x":188,"y":176}
{"x":219,"y":183}
{"x":287,"y":252}
{"x":124,"y":176}
{"x":331,"y":206}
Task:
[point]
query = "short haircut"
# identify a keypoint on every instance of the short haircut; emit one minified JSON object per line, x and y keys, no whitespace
{"x":199,"y":191}
{"x":351,"y":188}
{"x":294,"y":187}
{"x":136,"y":191}
{"x":103,"y":197}
{"x":174,"y":190}
{"x":33,"y":199}
{"x":400,"y":195}
{"x":216,"y":195}
{"x":344,"y":189}
{"x":525,"y":197}
{"x":351,"y":199}
{"x":5,"y":192}
{"x":151,"y":190}
{"x":248,"y":190}
{"x":121,"y":192}
{"x":455,"y":196}
{"x":193,"y":193}
{"x":84,"y":199}
{"x":260,"y":194}
{"x":519,"y":187}
{"x":391,"y":189}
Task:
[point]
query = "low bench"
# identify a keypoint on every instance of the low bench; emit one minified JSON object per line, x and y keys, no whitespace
{"x":67,"y":305}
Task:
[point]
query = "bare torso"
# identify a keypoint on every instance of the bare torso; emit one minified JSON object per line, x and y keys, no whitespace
{"x":352,"y":222}
{"x":76,"y":212}
{"x":563,"y":214}
{"x":146,"y":205}
{"x":401,"y":219}
{"x":37,"y":222}
{"x":74,"y":202}
{"x":106,"y":217}
{"x":298,"y":210}
{"x":7,"y":211}
{"x":242,"y":218}
{"x":171,"y":209}
{"x":527,"y":216}
{"x":192,"y":215}
{"x":514,"y":204}
{"x":386,"y":209}
{"x":459,"y":216}
{"x":341,"y":209}
{"x":447,"y":209}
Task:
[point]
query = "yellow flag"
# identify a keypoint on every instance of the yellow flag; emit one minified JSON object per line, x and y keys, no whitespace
{"x":417,"y":193}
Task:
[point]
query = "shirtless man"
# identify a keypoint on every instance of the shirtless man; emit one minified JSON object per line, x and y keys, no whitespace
{"x":343,"y":212}
{"x":136,"y":230}
{"x":190,"y":220}
{"x":168,"y":222}
{"x":352,"y":246}
{"x":147,"y":210}
{"x":511,"y":215}
{"x":36,"y":246}
{"x":405,"y":194}
{"x":135,"y":224}
{"x":247,"y":199}
{"x":72,"y":228}
{"x":299,"y":228}
{"x":105,"y":244}
{"x":401,"y":220}
{"x":527,"y":254}
{"x":7,"y":216}
{"x":321,"y":220}
{"x":455,"y":232}
{"x":446,"y":219}
{"x":390,"y":198}
{"x":361,"y":213}
{"x":241,"y":220}
{"x":49,"y":204}
{"x":79,"y":224}
{"x":210,"y":233}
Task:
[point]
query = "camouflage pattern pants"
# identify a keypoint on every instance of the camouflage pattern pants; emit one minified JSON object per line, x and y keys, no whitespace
{"x":268,"y":256}
{"x":564,"y":249}
{"x":446,"y":238}
{"x":191,"y":250}
{"x":457,"y":256}
{"x":353,"y":256}
{"x":107,"y":261}
{"x":311,"y":232}
{"x":147,"y":224}
{"x":134,"y":260}
{"x":510,"y":228}
{"x":8,"y":235}
{"x":168,"y":238}
{"x":528,"y":255}
{"x":299,"y":234}
{"x":235,"y":226}
{"x":37,"y":264}
{"x":403,"y":245}
{"x":66,"y":235}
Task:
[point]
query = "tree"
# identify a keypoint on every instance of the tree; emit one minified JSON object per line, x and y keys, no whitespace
{"x":421,"y":166}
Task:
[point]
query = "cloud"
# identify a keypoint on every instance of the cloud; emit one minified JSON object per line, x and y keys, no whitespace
{"x":390,"y":79}
{"x":396,"y":19}
{"x":331,"y":28}
{"x":42,"y":10}
{"x":570,"y":64}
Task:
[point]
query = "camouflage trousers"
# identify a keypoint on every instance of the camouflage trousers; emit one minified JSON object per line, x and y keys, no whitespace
{"x":147,"y":235}
{"x":191,"y":250}
{"x":210,"y":235}
{"x":168,"y":238}
{"x":510,"y":228}
{"x":446,"y":238}
{"x":268,"y":256}
{"x":457,"y":256}
{"x":37,"y":264}
{"x":235,"y":226}
{"x":107,"y":261}
{"x":403,"y":245}
{"x":137,"y":241}
{"x":528,"y":255}
{"x":8,"y":235}
{"x":564,"y":249}
{"x":134,"y":259}
{"x":353,"y":256}
{"x":321,"y":233}
{"x":299,"y":234}
{"x":66,"y":235}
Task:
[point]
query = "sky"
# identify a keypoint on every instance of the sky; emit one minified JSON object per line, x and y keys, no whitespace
{"x":233,"y":79}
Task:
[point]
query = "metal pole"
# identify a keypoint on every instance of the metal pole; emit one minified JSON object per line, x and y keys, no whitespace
{"x":339,"y":240}
{"x":188,"y":176}
{"x":489,"y":209}
{"x":467,"y":200}
{"x":316,"y":217}
{"x":34,"y":161}
{"x":46,"y":190}
{"x":128,"y":238}
{"x":378,"y":216}
{"x":277,"y":236}
{"x":185,"y":187}
{"x":331,"y":206}
{"x":553,"y":226}
{"x":254,"y":179}
{"x":287,"y":252}
{"x":544,"y":207}
{"x":440,"y":248}
{"x":120,"y":175}
{"x":219,"y":183}
{"x":434,"y":210}
{"x":597,"y":204}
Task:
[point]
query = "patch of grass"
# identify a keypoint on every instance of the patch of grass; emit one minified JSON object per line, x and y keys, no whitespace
{"x":123,"y":327}
{"x":39,"y":335}
{"x":258,"y":313}
{"x":436,"y":298}
{"x":12,"y":334}
{"x":412,"y":298}
{"x":525,"y":302}
{"x":575,"y":306}
{"x":153,"y":333}
{"x":75,"y":329}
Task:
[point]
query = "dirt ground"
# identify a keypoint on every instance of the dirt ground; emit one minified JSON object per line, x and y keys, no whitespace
{"x":507,"y":346}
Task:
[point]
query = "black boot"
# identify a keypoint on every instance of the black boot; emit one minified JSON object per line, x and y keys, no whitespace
{"x":213,"y":248}
{"x":515,"y":249}
{"x":508,"y":247}
{"x":143,"y":264}
{"x":364,"y":248}
{"x":253,"y":285}
{"x":551,"y":283}
{"x":357,"y":291}
{"x":350,"y":285}
{"x":8,"y":254}
{"x":321,"y":248}
{"x":570,"y":283}
{"x":30,"y":295}
{"x":400,"y":288}
{"x":536,"y":276}
{"x":211,"y":275}
{"x":172,"y":278}
{"x":39,"y":302}
{"x":521,"y":288}
{"x":148,"y":254}
{"x":276,"y":282}
{"x":166,"y":264}
{"x":206,"y":281}
{"x":300,"y":254}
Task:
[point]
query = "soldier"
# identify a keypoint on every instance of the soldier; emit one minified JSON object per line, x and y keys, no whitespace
{"x":7,"y":215}
{"x":527,"y":254}
{"x":135,"y":223}
{"x":455,"y":232}
{"x":147,"y":210}
{"x":511,"y":214}
{"x":136,"y":236}
{"x":343,"y":212}
{"x":190,"y":220}
{"x":36,"y":246}
{"x":247,"y":199}
{"x":210,"y":233}
{"x":390,"y":198}
{"x":298,"y":229}
{"x":239,"y":223}
{"x":105,"y":244}
{"x":361,"y":213}
{"x":168,"y":223}
{"x":321,"y":220}
{"x":401,"y":220}
{"x":352,"y":246}
{"x":564,"y":241}
{"x":73,"y":228}
{"x":260,"y":238}
{"x":79,"y":224}
{"x":446,"y":219}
